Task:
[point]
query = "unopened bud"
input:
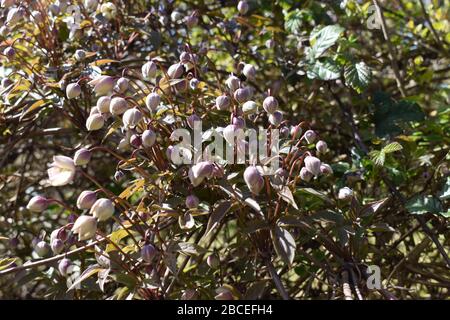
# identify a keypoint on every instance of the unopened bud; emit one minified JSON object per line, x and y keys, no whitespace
{"x":253,"y":179}
{"x":73,"y":90}
{"x":310,"y":136}
{"x":148,"y":253}
{"x":223,"y":102}
{"x":37,"y":204}
{"x":95,"y":122}
{"x":270,"y":104}
{"x":148,"y":138}
{"x":152,"y":101}
{"x":192,"y":201}
{"x":82,"y":157}
{"x":118,"y":106}
{"x":86,"y":200}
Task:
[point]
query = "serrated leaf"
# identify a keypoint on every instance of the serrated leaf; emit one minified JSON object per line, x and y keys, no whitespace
{"x":392,"y":147}
{"x":326,"y":70}
{"x":325,"y":38}
{"x":284,"y":244}
{"x":357,"y":76}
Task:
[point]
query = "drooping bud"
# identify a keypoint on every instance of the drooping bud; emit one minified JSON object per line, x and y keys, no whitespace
{"x":249,"y":107}
{"x":185,"y":57}
{"x":122,"y":85}
{"x":276,"y":118}
{"x":310,"y":136}
{"x":82,"y":156}
{"x":296,"y":131}
{"x":213,"y":261}
{"x":345,"y":193}
{"x":249,"y":71}
{"x":305,"y":174}
{"x":118,"y":106}
{"x":200,"y":171}
{"x":86,"y":200}
{"x":194,"y":83}
{"x":233,"y":83}
{"x":253,"y":179}
{"x":37,"y":204}
{"x":241,"y":95}
{"x":149,"y":70}
{"x":321,"y":146}
{"x":73,"y":90}
{"x":103,"y":104}
{"x":192,"y":201}
{"x":238,"y":122}
{"x":223,"y":102}
{"x":85,"y":226}
{"x":313,"y":165}
{"x":136,"y":141}
{"x":42,"y":249}
{"x":102,"y":85}
{"x":325,"y":169}
{"x":63,"y":266}
{"x":132,"y":117}
{"x":103,"y":209}
{"x":242,"y":7}
{"x":57,"y":246}
{"x":148,"y":253}
{"x":175,"y":71}
{"x":148,"y":138}
{"x":152,"y":101}
{"x":270,"y":104}
{"x":95,"y":122}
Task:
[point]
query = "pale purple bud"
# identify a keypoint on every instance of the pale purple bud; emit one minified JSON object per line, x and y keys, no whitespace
{"x":132,"y":117}
{"x":241,"y":95}
{"x":57,"y":246}
{"x":296,"y":131}
{"x":276,"y":118}
{"x":82,"y":157}
{"x":185,"y":57}
{"x":242,"y":7}
{"x":152,"y":101}
{"x":305,"y":174}
{"x":9,"y":52}
{"x":37,"y":204}
{"x":192,"y":201}
{"x":233,"y":83}
{"x":175,"y":71}
{"x":122,"y":85}
{"x":270,"y":44}
{"x":42,"y":249}
{"x":223,"y":102}
{"x":249,"y":71}
{"x":313,"y":165}
{"x":103,"y":209}
{"x":192,"y":119}
{"x":118,"y":106}
{"x":213,"y":261}
{"x":284,"y":132}
{"x":345,"y":193}
{"x":73,"y":90}
{"x":148,"y":138}
{"x":103,"y":85}
{"x":86,"y":200}
{"x":321,"y":146}
{"x":136,"y":141}
{"x":103,"y":104}
{"x":119,"y":175}
{"x":249,"y":107}
{"x":325,"y":169}
{"x":63,"y":266}
{"x":253,"y":179}
{"x":148,"y":253}
{"x":149,"y":70}
{"x":95,"y":122}
{"x":310,"y":136}
{"x":270,"y":104}
{"x":79,"y":54}
{"x":238,"y":122}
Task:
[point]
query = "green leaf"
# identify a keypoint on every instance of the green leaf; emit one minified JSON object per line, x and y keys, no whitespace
{"x":324,"y":39}
{"x":423,"y":204}
{"x":284,"y":244}
{"x":357,"y":76}
{"x":392,"y":147}
{"x":294,"y":20}
{"x":378,"y":157}
{"x":327,"y":70}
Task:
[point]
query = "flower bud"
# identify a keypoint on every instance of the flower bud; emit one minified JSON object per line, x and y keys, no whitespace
{"x":103,"y":104}
{"x":310,"y":136}
{"x":42,"y":249}
{"x":296,"y":131}
{"x":321,"y":146}
{"x":85,"y":226}
{"x":9,"y":52}
{"x":194,"y":83}
{"x":118,"y":106}
{"x":63,"y":266}
{"x":82,"y":157}
{"x":249,"y":71}
{"x":152,"y":101}
{"x":213,"y":261}
{"x":73,"y":90}
{"x":270,"y":104}
{"x":253,"y":179}
{"x":175,"y":71}
{"x":102,"y":85}
{"x":242,"y":7}
{"x":325,"y":169}
{"x":192,"y":201}
{"x":136,"y":141}
{"x":57,"y":246}
{"x":149,"y":70}
{"x":345,"y":193}
{"x":148,"y":138}
{"x":80,"y":54}
{"x":241,"y":95}
{"x":249,"y":107}
{"x":37,"y":204}
{"x":192,"y":119}
{"x":95,"y":122}
{"x":132,"y":117}
{"x":108,"y":10}
{"x":185,"y":57}
{"x":305,"y":174}
{"x":276,"y":118}
{"x":103,"y":209}
{"x":169,"y":152}
{"x":238,"y":122}
{"x":233,"y":83}
{"x":86,"y":200}
{"x":313,"y":165}
{"x":223,"y":102}
{"x":200,"y":171}
{"x":122,"y":85}
{"x":176,"y":16}
{"x":148,"y":253}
